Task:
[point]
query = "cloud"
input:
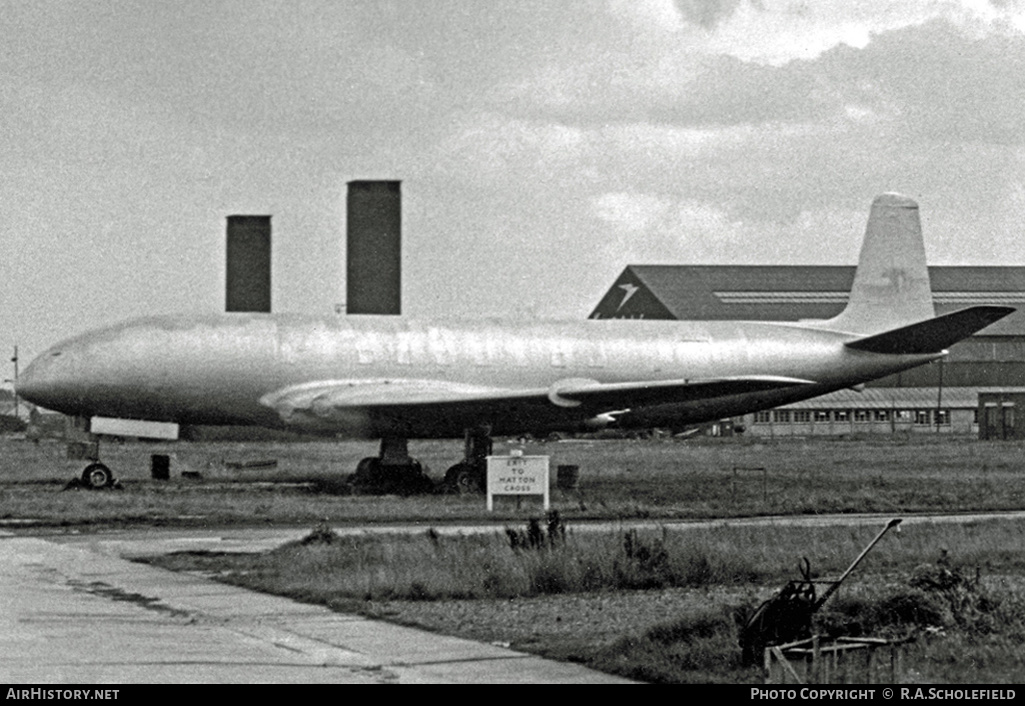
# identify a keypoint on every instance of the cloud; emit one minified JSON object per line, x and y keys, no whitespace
{"x":952,"y":86}
{"x":767,"y":138}
{"x":646,"y":228}
{"x":630,"y":212}
{"x":709,"y":13}
{"x":488,"y":150}
{"x":648,"y":15}
{"x":542,"y":145}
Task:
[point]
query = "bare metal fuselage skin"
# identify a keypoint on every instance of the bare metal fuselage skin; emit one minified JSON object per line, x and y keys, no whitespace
{"x":217,"y":369}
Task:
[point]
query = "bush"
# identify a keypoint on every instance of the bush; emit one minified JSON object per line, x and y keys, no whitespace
{"x":936,"y":597}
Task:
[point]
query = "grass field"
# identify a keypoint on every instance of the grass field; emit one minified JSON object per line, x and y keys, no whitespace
{"x":700,"y":478}
{"x":664,"y":606}
{"x":656,"y":606}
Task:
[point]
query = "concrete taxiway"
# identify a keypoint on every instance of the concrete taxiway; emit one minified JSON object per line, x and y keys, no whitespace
{"x":74,"y":611}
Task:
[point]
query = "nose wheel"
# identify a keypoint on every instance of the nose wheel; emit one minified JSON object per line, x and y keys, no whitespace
{"x":97,"y":476}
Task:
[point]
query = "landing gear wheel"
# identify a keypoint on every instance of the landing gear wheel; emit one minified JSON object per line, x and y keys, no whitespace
{"x":419,"y":482}
{"x":372,"y":477}
{"x":461,"y":479}
{"x":96,"y":476}
{"x":366,"y":474}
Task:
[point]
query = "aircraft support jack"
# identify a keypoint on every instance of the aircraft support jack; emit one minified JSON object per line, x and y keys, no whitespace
{"x":392,"y":471}
{"x":468,"y":476}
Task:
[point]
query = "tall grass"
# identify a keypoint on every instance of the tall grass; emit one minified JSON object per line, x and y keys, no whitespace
{"x":429,"y":566}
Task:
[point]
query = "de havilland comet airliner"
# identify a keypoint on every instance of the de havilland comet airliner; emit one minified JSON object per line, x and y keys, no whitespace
{"x":394,"y":378}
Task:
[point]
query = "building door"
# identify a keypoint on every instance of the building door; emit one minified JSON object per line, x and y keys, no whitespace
{"x":999,"y":422}
{"x":992,"y":426}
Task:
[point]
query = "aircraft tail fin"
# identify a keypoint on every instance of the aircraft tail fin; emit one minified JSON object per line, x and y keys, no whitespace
{"x":934,"y":335}
{"x":891,"y":284}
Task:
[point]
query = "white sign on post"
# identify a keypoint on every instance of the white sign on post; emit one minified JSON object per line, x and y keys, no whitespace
{"x":517,"y":475}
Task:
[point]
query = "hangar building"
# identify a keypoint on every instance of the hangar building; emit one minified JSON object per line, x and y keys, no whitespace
{"x":941,"y":397}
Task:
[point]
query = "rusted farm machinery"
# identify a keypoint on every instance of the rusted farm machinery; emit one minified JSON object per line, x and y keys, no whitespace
{"x":787,"y":616}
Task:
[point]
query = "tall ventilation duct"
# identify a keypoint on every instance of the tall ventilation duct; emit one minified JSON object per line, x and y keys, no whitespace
{"x":373,"y":272}
{"x":248,"y":264}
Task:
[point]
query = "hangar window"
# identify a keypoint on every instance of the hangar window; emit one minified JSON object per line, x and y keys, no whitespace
{"x":841,"y":415}
{"x":862,"y":415}
{"x":781,"y":415}
{"x":802,"y":415}
{"x":923,"y":417}
{"x":821,"y":415}
{"x":943,"y":417}
{"x":763,"y":417}
{"x":882,"y":415}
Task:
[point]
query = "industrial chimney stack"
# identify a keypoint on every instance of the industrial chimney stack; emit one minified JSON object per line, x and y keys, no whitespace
{"x":373,"y":274}
{"x":248,"y":264}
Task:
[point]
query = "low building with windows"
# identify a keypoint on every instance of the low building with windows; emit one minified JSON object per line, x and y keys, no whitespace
{"x":941,"y":397}
{"x":875,"y":410}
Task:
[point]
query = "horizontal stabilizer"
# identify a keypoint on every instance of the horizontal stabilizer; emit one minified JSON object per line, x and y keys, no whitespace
{"x":933,"y":335}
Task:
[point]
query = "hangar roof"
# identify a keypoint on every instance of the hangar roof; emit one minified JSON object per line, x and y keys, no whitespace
{"x":789,"y":292}
{"x":899,"y":398}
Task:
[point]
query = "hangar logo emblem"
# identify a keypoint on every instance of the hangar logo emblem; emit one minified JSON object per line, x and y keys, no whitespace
{"x":630,"y":289}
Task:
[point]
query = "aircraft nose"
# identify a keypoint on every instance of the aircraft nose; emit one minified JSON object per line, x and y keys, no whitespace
{"x":45,"y":382}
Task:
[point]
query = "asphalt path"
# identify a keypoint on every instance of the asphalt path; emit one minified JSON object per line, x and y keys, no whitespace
{"x":75,"y":610}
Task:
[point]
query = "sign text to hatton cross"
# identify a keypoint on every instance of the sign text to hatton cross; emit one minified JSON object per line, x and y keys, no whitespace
{"x":517,"y":474}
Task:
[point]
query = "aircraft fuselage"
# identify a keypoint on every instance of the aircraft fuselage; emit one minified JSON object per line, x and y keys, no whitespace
{"x":216,"y":369}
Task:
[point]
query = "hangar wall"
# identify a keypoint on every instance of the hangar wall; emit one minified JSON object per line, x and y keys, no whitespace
{"x":941,"y":397}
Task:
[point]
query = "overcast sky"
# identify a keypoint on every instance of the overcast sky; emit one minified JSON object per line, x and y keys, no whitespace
{"x":542,"y":146}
